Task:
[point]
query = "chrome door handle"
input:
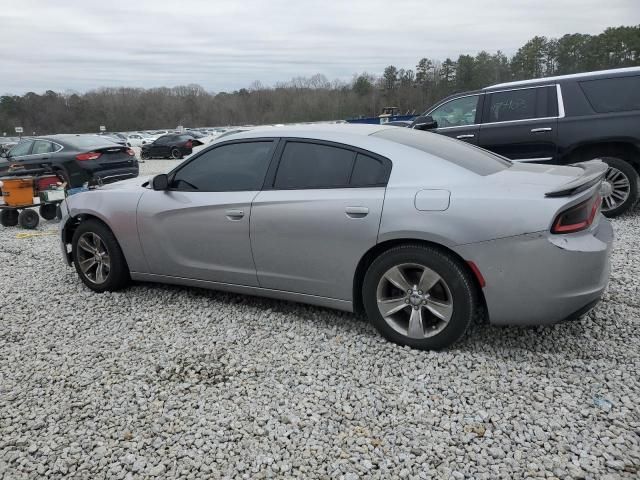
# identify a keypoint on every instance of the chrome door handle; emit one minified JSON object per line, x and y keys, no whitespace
{"x":538,"y":130}
{"x":469,"y":135}
{"x":234,"y":214}
{"x":357,"y":212}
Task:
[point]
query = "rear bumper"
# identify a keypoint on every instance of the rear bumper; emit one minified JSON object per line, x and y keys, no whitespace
{"x":540,"y":278}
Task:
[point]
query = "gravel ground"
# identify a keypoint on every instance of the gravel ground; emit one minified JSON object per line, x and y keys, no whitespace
{"x":162,"y":381}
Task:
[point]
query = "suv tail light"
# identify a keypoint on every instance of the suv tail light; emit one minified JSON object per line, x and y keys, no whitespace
{"x":577,"y":218}
{"x":130,"y":152}
{"x":88,"y":156}
{"x":189,"y":144}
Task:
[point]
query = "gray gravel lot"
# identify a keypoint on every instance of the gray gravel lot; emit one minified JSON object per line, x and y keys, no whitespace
{"x":161,"y":381}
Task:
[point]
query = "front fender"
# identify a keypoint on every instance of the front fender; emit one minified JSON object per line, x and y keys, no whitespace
{"x":116,"y":209}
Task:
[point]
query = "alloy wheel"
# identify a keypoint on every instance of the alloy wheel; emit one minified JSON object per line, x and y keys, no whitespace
{"x":414,"y":300}
{"x":616,"y":188}
{"x":93,"y":258}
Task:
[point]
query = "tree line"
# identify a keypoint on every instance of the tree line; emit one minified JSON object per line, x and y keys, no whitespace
{"x":316,"y":98}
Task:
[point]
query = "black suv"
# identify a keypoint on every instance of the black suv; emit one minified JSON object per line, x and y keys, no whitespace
{"x":77,"y":158}
{"x":559,"y":120}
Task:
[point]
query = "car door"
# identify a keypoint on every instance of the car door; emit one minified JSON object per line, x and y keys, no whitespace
{"x":159,"y":148}
{"x":41,"y":152}
{"x":199,"y":227}
{"x":521,"y":124}
{"x":317,"y":218}
{"x":459,"y":117}
{"x":19,"y":154}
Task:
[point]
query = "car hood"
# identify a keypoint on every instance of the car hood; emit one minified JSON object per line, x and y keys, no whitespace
{"x":129,"y":184}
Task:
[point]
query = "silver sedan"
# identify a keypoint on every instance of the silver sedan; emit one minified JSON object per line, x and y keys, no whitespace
{"x":422,"y":233}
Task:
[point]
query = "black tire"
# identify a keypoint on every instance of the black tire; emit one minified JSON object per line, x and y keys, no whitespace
{"x":631,"y":176}
{"x":9,"y":217}
{"x":28,"y":219}
{"x":48,"y":211}
{"x":145,"y":155}
{"x":117,"y":277}
{"x":176,"y":154}
{"x":458,"y":280}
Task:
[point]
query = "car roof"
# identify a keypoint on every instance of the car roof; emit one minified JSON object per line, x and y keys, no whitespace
{"x":310,"y":131}
{"x":559,"y":78}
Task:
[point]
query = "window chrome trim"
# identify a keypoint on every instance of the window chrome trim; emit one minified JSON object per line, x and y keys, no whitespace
{"x":560,"y":101}
{"x":452,"y":100}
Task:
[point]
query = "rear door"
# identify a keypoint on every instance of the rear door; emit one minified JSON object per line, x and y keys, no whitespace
{"x":317,"y":218}
{"x":199,"y":227}
{"x":459,"y":118}
{"x":521,"y":124}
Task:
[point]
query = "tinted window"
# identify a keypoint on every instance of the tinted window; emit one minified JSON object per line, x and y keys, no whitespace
{"x":613,"y":94}
{"x":368,"y":171}
{"x":21,"y":149}
{"x":88,"y":142}
{"x":310,"y":165}
{"x":457,"y":112}
{"x":41,"y":146}
{"x":512,"y":105}
{"x":459,"y":153}
{"x":234,"y":167}
{"x":163,"y":140}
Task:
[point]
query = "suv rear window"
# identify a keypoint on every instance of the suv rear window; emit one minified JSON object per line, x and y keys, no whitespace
{"x":481,"y":162}
{"x":613,"y":94}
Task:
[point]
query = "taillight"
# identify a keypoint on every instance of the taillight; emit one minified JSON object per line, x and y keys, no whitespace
{"x":189,"y":144}
{"x":88,"y":156}
{"x":130,"y":152}
{"x":577,"y":218}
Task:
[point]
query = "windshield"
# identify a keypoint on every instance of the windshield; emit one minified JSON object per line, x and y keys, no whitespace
{"x":472,"y":158}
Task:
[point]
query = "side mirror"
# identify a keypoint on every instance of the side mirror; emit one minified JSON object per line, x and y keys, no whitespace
{"x":160,"y":182}
{"x":424,"y":123}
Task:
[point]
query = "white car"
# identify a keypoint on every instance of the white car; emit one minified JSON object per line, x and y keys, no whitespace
{"x":137,"y":140}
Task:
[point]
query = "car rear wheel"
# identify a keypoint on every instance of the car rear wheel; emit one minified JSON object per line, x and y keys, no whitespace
{"x":176,"y":154}
{"x":98,"y":258}
{"x":619,"y":188}
{"x":145,"y":155}
{"x":419,"y":296}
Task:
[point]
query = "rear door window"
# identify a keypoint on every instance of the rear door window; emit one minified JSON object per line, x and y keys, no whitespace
{"x":613,"y":94}
{"x":512,"y":105}
{"x":313,"y":165}
{"x":368,"y":171}
{"x":41,"y":146}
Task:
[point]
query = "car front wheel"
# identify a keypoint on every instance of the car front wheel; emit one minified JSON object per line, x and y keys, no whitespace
{"x":98,"y":258}
{"x":419,"y":296}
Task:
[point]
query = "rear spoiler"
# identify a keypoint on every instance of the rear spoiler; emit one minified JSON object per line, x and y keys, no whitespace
{"x":594,"y":171}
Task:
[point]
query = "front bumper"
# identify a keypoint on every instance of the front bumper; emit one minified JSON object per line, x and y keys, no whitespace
{"x":541,"y":278}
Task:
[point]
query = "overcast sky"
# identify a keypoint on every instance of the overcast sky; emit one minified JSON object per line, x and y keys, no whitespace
{"x":227,"y":44}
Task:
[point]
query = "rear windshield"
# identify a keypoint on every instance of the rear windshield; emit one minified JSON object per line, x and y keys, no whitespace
{"x":457,"y":152}
{"x":613,"y":94}
{"x":89,"y":142}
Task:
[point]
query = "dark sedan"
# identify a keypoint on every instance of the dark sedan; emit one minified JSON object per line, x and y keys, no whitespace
{"x":170,"y":146}
{"x":77,"y":158}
